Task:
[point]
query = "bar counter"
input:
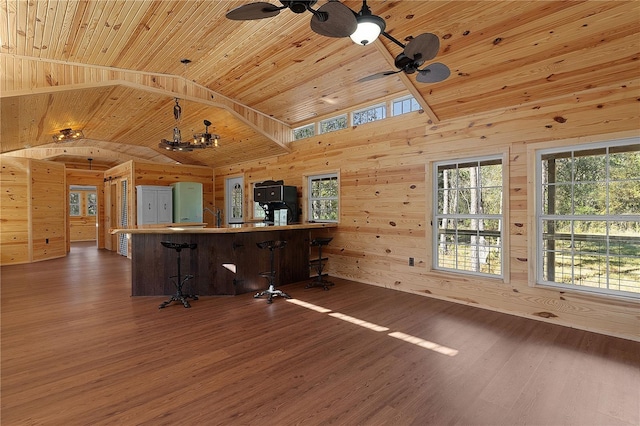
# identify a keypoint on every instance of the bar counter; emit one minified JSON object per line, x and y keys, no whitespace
{"x":226,"y":261}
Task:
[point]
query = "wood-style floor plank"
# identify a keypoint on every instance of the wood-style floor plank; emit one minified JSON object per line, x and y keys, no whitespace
{"x":77,"y":349}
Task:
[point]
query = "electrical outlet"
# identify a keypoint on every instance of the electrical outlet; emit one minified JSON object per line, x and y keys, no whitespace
{"x":411,"y":263}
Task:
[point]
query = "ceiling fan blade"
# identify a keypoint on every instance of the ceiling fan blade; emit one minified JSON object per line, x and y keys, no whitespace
{"x":433,"y":73}
{"x":377,"y":75}
{"x":423,"y":48}
{"x":339,"y":20}
{"x":251,"y":11}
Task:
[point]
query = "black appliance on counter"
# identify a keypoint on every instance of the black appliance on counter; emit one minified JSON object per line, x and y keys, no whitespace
{"x":274,"y":195}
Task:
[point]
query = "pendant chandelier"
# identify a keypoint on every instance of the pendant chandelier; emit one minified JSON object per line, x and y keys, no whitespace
{"x":199,"y":141}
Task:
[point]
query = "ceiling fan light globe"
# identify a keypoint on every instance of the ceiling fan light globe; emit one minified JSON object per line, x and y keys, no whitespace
{"x":368,"y":30}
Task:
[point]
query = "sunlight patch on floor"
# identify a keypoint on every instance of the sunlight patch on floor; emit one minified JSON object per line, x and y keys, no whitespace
{"x":309,"y":305}
{"x":359,"y":322}
{"x":424,"y":343}
{"x":379,"y":328}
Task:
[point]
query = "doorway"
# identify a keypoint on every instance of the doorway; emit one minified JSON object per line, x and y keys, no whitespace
{"x":83,"y":213}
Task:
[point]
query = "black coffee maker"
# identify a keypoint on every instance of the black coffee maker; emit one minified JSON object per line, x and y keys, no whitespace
{"x":274,"y":196}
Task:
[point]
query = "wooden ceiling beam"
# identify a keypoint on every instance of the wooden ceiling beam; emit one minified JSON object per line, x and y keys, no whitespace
{"x":407,"y":82}
{"x":44,"y":76}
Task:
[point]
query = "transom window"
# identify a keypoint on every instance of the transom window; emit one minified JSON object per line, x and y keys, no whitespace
{"x":324,"y":191}
{"x":468,"y":216}
{"x":588,"y":217}
{"x":304,"y":132}
{"x":367,"y":115}
{"x":405,"y":105}
{"x":333,"y":124}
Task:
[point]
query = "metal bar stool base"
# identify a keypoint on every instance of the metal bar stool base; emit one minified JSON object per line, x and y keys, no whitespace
{"x":179,"y":297}
{"x":179,"y":279}
{"x":271,"y":292}
{"x":270,"y":275}
{"x":320,"y":281}
{"x":318,"y":264}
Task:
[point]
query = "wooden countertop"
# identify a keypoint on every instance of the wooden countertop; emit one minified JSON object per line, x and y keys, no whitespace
{"x":228,"y":229}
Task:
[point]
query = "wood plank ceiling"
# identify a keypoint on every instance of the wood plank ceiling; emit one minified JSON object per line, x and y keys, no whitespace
{"x":501,"y":54}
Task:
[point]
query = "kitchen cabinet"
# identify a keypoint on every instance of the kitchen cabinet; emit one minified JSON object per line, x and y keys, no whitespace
{"x":154,"y":204}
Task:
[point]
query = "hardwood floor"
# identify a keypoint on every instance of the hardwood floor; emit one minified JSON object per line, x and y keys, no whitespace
{"x":78,"y":350}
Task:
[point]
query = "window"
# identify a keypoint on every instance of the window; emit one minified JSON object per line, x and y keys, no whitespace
{"x":368,"y":115}
{"x":92,"y":204}
{"x":258,"y":211}
{"x":304,"y":131}
{"x":323,"y":197}
{"x":468,"y":216}
{"x":234,"y":204}
{"x":74,"y":204}
{"x":588,"y":217}
{"x":333,"y":124}
{"x":405,"y":105}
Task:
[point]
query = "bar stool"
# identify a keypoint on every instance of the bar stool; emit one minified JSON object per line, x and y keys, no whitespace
{"x":319,"y":280}
{"x":179,"y":280}
{"x":270,"y":275}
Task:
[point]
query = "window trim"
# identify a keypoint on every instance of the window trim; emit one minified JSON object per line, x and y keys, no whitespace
{"x":503,"y":157}
{"x":536,"y":272}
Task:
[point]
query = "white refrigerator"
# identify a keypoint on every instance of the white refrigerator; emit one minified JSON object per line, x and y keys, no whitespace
{"x":187,"y":202}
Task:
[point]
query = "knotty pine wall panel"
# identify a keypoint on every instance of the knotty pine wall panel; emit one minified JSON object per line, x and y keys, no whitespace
{"x":33,"y":210}
{"x":48,"y":213}
{"x":14,"y":211}
{"x":385,"y":200}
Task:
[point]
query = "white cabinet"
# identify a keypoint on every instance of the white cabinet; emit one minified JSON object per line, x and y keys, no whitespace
{"x":155,"y":204}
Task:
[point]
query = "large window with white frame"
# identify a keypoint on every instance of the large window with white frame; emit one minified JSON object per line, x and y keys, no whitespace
{"x":369,"y":114}
{"x":324,"y":196}
{"x":333,"y":124}
{"x":588,"y":217}
{"x":468,"y":216}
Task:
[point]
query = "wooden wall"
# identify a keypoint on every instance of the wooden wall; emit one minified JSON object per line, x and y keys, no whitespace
{"x":33,"y":209}
{"x":385,"y":204}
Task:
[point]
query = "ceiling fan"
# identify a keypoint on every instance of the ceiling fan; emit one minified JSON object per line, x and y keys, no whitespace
{"x":416,"y":52}
{"x":333,"y":19}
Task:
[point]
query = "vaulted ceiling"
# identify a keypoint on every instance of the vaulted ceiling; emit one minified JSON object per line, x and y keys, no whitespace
{"x":113,"y":69}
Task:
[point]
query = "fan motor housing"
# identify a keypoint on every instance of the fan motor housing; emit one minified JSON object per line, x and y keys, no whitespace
{"x":298,"y":6}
